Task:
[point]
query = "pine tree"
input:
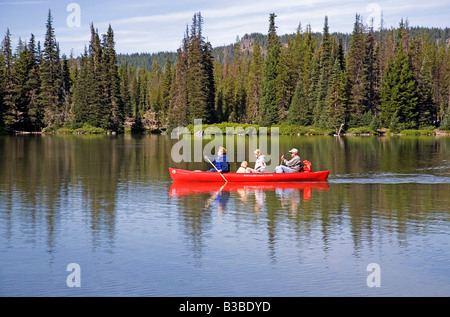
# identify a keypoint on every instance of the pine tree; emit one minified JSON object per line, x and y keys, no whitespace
{"x":338,"y":97}
{"x":82,"y":93}
{"x":2,"y":91}
{"x":268,"y":114}
{"x":144,"y":94}
{"x":399,"y":96}
{"x":305,"y":93}
{"x":125,"y":89}
{"x":35,"y":112}
{"x":66,"y":85}
{"x":239,"y":75}
{"x":441,"y":85}
{"x":19,"y":108}
{"x":227,"y":92}
{"x":111,"y":80}
{"x":219,"y":81}
{"x":326,"y":63}
{"x":372,"y":72}
{"x":178,"y":114}
{"x":427,"y":108}
{"x":357,"y":70}
{"x":98,"y":111}
{"x":9,"y":90}
{"x":313,"y":89}
{"x":166,"y":90}
{"x":200,"y":76}
{"x":253,"y":84}
{"x":287,"y":78}
{"x":299,"y":109}
{"x":307,"y":50}
{"x":51,"y":82}
{"x":154,"y":84}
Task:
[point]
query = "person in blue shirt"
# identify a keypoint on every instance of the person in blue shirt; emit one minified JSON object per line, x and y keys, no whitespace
{"x":220,"y":162}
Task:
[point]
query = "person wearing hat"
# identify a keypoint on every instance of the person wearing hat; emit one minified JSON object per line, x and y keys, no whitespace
{"x":294,"y":165}
{"x":260,"y":164}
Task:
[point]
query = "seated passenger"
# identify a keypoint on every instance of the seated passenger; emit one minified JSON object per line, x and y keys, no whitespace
{"x":243,"y":168}
{"x":292,"y":166}
{"x":260,"y":164}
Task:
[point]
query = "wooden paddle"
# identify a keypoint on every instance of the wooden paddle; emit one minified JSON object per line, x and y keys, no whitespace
{"x":216,"y":168}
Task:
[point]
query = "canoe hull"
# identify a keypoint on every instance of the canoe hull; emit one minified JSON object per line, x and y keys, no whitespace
{"x":189,"y":188}
{"x":199,"y":176}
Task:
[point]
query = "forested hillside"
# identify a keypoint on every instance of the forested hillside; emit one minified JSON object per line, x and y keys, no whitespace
{"x":397,"y":78}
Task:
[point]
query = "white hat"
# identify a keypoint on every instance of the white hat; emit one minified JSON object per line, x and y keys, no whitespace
{"x":294,"y":150}
{"x":257,"y":151}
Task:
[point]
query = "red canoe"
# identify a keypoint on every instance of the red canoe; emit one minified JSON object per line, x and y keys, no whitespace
{"x":184,"y":188}
{"x":199,"y":176}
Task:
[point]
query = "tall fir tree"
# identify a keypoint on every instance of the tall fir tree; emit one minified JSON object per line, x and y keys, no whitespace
{"x":155,"y":80}
{"x":125,"y":89}
{"x":22,"y":70}
{"x":113,"y":101}
{"x":337,"y":97}
{"x":51,"y":82}
{"x":179,"y":111}
{"x":268,"y":114}
{"x":82,"y":92}
{"x":325,"y":71}
{"x":253,"y":84}
{"x":239,"y":95}
{"x":35,"y":111}
{"x":299,"y":109}
{"x":98,"y":112}
{"x":200,"y":77}
{"x":427,"y":108}
{"x":357,"y":70}
{"x":399,"y":95}
{"x":166,"y":90}
{"x":306,"y":55}
{"x":373,"y":85}
{"x":9,"y":84}
{"x":2,"y":91}
{"x":288,"y":74}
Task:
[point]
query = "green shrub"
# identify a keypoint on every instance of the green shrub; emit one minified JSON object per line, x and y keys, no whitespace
{"x":412,"y":132}
{"x":361,"y":130}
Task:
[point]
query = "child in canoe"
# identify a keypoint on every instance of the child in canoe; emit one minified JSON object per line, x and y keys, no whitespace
{"x":243,"y":168}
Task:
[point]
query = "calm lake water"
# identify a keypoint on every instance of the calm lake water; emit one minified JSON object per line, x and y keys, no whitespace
{"x":108,"y":204}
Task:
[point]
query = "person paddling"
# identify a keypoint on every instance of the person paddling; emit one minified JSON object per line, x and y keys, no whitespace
{"x":220,"y":162}
{"x":292,"y":166}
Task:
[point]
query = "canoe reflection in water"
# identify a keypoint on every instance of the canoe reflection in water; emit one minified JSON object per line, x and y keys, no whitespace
{"x":288,"y":193}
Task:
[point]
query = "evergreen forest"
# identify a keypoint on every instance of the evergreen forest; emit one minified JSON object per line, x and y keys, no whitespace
{"x":392,"y":79}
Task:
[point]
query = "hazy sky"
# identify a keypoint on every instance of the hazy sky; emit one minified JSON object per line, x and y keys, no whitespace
{"x":159,"y":25}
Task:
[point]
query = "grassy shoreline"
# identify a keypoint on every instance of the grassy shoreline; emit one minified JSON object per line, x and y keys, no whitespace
{"x":249,"y":129}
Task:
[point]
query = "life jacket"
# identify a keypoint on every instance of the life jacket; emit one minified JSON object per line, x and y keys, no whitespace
{"x":222,"y":164}
{"x":306,"y":166}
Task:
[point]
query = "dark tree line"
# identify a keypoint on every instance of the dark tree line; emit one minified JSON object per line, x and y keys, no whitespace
{"x":393,"y":78}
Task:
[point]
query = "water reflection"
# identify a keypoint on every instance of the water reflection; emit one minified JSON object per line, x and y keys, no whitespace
{"x":287,"y":193}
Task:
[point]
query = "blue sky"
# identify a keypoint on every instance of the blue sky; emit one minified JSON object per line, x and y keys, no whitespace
{"x":158,"y":25}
